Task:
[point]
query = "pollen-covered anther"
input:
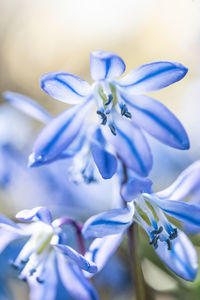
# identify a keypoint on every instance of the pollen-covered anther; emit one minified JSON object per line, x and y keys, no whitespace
{"x":110,"y":99}
{"x":32,"y":272}
{"x":112,"y":129}
{"x":103,"y":117}
{"x":154,"y":241}
{"x":174,"y":234}
{"x":159,"y":230}
{"x":125,"y":112}
{"x":169,"y":244}
{"x":39,"y":280}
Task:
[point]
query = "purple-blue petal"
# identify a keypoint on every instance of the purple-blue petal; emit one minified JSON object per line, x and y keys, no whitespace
{"x":152,"y":76}
{"x":134,"y":187}
{"x":28,"y":106}
{"x":79,"y":259}
{"x":102,"y":249}
{"x":157,"y":120}
{"x":74,"y":281}
{"x":131,"y":146}
{"x":65,"y":87}
{"x":182,"y":258}
{"x":187,"y":183}
{"x":104,"y":160}
{"x":48,"y":289}
{"x":113,"y":221}
{"x":41,"y":213}
{"x":59,"y":134}
{"x":185,"y":212}
{"x":105,"y":65}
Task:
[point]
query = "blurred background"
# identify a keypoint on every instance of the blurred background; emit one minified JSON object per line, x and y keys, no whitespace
{"x":37,"y":37}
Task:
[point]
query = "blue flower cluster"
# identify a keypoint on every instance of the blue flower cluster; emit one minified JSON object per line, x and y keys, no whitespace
{"x":102,"y":135}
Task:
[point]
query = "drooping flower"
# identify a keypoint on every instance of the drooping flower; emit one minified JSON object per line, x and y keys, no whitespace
{"x":149,"y":210}
{"x":121,"y":106}
{"x":44,"y":259}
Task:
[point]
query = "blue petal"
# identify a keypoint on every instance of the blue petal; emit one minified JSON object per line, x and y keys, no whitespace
{"x":182,"y":258}
{"x":134,"y":186}
{"x":5,"y":220}
{"x":104,"y":160}
{"x":110,"y":222}
{"x":6,"y":238}
{"x":186,"y":183}
{"x":41,"y":213}
{"x":65,"y":87}
{"x":182,"y":211}
{"x":157,"y":120}
{"x":28,"y":106}
{"x":132,"y":148}
{"x":81,"y":261}
{"x":74,"y":281}
{"x":48,"y":289}
{"x":106,"y":65}
{"x":58,"y":134}
{"x":101,"y":250}
{"x":153,"y":76}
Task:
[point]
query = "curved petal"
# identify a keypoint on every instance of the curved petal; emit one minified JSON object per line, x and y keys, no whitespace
{"x":65,"y":87}
{"x":28,"y":106}
{"x":74,"y":281}
{"x":42,"y":213}
{"x":106,"y":65}
{"x":58,"y":134}
{"x":104,"y":160}
{"x":182,"y":258}
{"x":6,"y":238}
{"x":48,"y":289}
{"x":186,"y":183}
{"x":81,"y":261}
{"x":185,"y":212}
{"x":153,"y":76}
{"x":113,"y":221}
{"x":131,"y":146}
{"x":157,"y":120}
{"x":101,"y":250}
{"x":134,"y":186}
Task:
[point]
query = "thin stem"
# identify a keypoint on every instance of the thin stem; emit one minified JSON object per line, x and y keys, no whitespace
{"x":78,"y":227}
{"x":136,"y":271}
{"x":135,"y":263}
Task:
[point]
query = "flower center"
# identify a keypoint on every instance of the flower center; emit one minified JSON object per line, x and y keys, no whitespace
{"x":154,"y":221}
{"x":36,"y":253}
{"x":109,"y":102}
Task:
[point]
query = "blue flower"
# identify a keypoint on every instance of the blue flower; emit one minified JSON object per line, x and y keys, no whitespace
{"x":123,"y":109}
{"x":44,"y":259}
{"x":149,"y":210}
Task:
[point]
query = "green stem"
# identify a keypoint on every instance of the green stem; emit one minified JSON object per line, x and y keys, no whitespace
{"x":140,"y":290}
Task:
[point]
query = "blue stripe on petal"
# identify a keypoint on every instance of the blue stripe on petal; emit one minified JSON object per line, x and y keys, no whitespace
{"x":74,"y":281}
{"x":28,"y":106}
{"x":79,"y":259}
{"x":104,"y":160}
{"x":59,"y":134}
{"x":65,"y":87}
{"x":106,"y":65}
{"x":182,"y":211}
{"x":152,"y":77}
{"x":182,"y":258}
{"x":110,"y":222}
{"x":42,"y":213}
{"x":131,"y":146}
{"x":186,"y":183}
{"x":157,"y":120}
